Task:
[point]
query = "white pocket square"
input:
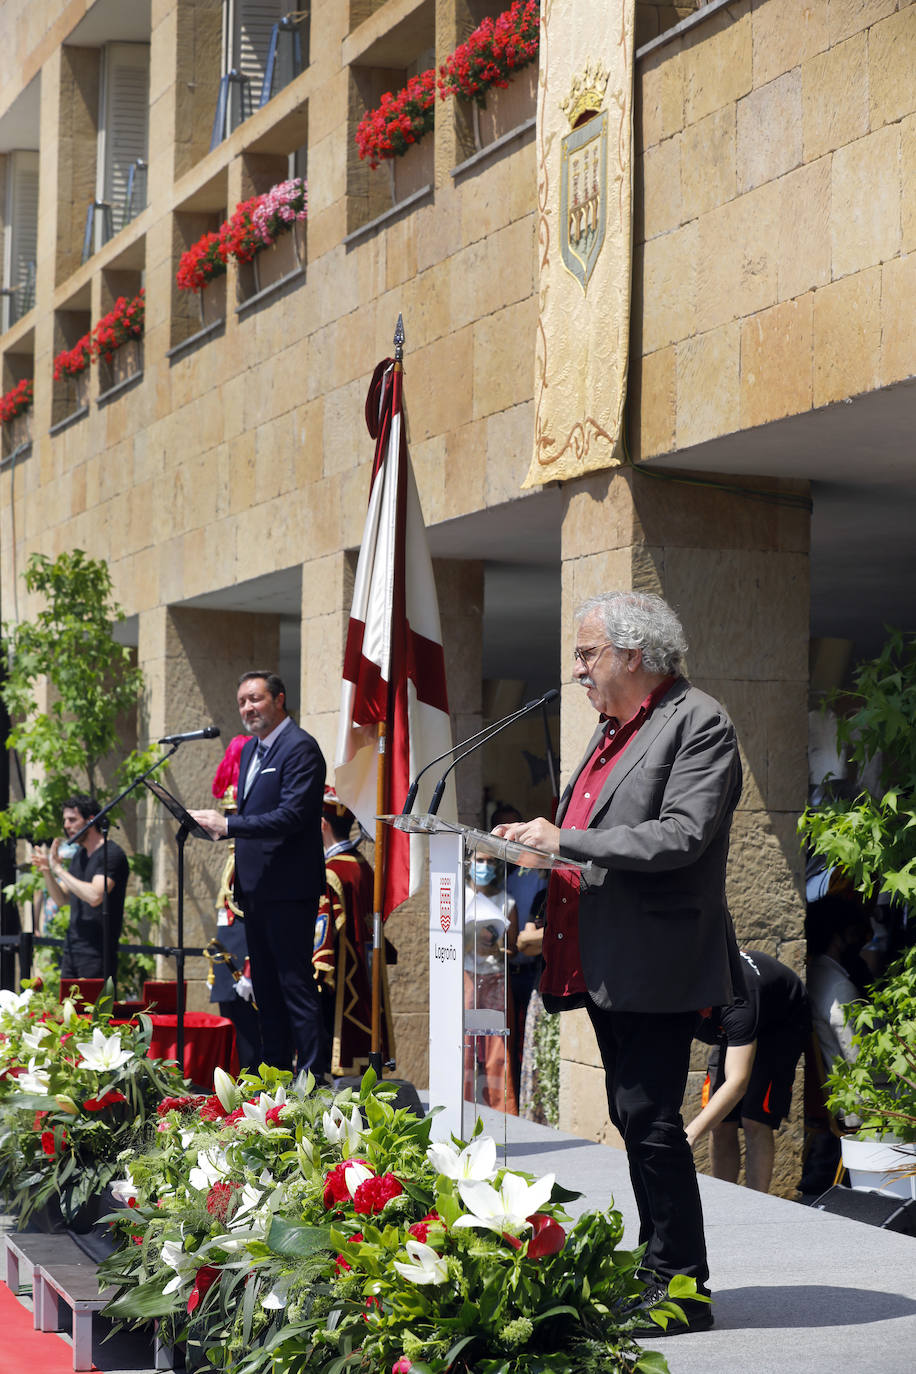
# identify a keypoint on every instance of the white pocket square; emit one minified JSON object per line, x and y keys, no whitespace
{"x":266,"y":770}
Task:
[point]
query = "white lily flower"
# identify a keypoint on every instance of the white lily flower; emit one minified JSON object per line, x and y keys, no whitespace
{"x":428,"y":1266}
{"x":212,"y":1167}
{"x":476,"y":1161}
{"x":341,"y":1130}
{"x":355,"y":1174}
{"x":35,"y":1080}
{"x":103,"y":1053}
{"x":256,"y":1112}
{"x":12,"y":1003}
{"x":34,"y":1037}
{"x":185,"y":1138}
{"x":275,"y":1300}
{"x":68,"y":1012}
{"x":225,"y":1088}
{"x":123,"y":1190}
{"x":174,"y":1256}
{"x":507,"y":1209}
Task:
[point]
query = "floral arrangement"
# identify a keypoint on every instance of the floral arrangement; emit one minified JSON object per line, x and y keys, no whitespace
{"x":254,"y":224}
{"x":74,"y":1092}
{"x":70,"y":362}
{"x":495,"y":51}
{"x":278,"y":210}
{"x":125,"y":321}
{"x":281,"y":1228}
{"x":238,"y":236}
{"x":202,"y":263}
{"x":17,"y":401}
{"x":400,"y":120}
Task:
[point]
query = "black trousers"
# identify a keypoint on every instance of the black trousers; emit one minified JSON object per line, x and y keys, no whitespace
{"x":646,"y":1057}
{"x":281,"y":936}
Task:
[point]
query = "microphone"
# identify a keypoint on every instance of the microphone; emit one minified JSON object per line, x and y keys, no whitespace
{"x":475,"y":742}
{"x":208,"y":732}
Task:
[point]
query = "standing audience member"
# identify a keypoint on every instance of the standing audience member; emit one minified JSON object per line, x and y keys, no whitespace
{"x":490,"y":931}
{"x":650,"y":807}
{"x":759,"y":1040}
{"x":279,"y":870}
{"x":836,"y":929}
{"x":82,"y":888}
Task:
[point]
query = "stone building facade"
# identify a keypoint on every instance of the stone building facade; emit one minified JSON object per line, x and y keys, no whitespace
{"x":771,"y":401}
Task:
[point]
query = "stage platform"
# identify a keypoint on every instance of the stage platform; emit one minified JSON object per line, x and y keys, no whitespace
{"x":794,"y":1289}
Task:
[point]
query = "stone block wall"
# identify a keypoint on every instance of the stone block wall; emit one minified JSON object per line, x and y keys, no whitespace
{"x":774,"y":216}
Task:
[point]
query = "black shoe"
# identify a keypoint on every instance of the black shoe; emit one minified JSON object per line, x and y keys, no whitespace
{"x":699,"y":1314}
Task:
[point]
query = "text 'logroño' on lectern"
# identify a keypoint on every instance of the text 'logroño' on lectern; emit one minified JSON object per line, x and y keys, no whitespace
{"x":452,"y":1024}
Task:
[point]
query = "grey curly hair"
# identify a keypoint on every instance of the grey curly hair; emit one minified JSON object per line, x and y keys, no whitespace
{"x":640,"y":620}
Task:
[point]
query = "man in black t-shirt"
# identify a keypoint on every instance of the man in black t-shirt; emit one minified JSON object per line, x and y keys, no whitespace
{"x":82,"y":886}
{"x":759,"y":1040}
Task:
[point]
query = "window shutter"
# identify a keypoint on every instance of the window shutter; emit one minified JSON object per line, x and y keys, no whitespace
{"x":22,"y":218}
{"x":125,"y":122}
{"x":253,"y":21}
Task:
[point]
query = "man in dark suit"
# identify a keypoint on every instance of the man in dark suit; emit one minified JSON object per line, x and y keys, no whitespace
{"x":279,"y":870}
{"x":651,"y":942}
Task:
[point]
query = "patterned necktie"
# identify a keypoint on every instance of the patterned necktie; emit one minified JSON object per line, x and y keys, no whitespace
{"x":254,"y":767}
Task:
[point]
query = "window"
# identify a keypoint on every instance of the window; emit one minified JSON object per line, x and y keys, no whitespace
{"x":123,"y":133}
{"x":20,"y":232}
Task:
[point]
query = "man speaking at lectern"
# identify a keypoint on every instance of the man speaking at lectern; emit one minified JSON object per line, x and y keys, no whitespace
{"x":279,"y":870}
{"x":650,"y":942}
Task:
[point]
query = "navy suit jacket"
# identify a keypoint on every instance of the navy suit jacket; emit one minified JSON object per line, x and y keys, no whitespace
{"x":655,"y":933}
{"x":279,"y":854}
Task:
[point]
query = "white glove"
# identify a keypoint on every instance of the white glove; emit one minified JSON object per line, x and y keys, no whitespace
{"x":243,"y":988}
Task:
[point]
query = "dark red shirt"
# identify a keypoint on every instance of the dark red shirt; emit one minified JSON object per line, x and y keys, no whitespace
{"x":563,"y":976}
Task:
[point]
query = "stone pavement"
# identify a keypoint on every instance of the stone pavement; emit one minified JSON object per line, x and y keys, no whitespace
{"x":795,"y":1291}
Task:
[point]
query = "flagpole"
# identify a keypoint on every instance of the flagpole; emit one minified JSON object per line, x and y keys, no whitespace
{"x":381,"y":849}
{"x":378,"y":950}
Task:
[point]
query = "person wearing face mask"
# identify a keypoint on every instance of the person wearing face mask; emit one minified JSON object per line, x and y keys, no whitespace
{"x":490,"y":934}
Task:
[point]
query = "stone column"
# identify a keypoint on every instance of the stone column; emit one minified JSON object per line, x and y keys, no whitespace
{"x":192,"y":659}
{"x":732,"y":558}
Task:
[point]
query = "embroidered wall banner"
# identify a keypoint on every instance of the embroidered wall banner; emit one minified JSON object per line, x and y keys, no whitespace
{"x":585,"y":135}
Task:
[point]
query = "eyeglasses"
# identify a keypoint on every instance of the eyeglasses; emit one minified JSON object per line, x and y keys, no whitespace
{"x":591,"y":654}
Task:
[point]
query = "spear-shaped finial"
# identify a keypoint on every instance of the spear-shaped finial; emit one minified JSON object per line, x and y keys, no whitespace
{"x":399,"y":340}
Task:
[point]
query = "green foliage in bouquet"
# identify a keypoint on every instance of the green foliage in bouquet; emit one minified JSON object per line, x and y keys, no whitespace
{"x":281,"y":1228}
{"x":75,"y":1091}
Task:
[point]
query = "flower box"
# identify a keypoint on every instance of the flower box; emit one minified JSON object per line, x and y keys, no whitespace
{"x":19,"y":430}
{"x":212,"y":302}
{"x":506,"y":108}
{"x":281,"y":258}
{"x":127,"y":361}
{"x":412,"y":171}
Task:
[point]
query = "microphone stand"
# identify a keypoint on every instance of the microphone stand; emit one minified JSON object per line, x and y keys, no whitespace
{"x":109,"y":956}
{"x":475,"y":742}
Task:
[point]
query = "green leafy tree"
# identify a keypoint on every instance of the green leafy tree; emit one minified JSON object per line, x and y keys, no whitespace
{"x":92,"y":682}
{"x":873,"y":838}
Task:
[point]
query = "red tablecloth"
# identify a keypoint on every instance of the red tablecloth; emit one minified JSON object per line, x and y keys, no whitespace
{"x":209,"y":1043}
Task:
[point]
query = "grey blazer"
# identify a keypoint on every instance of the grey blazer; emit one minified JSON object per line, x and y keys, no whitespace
{"x":655,"y":932}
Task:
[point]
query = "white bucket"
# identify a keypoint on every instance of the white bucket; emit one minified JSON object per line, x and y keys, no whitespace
{"x":876,"y":1165}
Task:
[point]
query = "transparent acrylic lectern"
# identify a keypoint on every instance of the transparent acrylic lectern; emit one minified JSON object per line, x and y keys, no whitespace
{"x":452,"y":1025}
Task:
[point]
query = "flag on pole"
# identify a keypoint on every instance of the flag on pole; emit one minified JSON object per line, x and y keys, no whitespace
{"x":394,"y":669}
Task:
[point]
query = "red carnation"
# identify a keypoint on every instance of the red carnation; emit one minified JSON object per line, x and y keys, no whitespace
{"x":219,"y":1199}
{"x":373,"y":1193}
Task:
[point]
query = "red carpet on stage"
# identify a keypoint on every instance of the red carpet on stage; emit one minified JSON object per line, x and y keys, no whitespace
{"x":24,"y":1350}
